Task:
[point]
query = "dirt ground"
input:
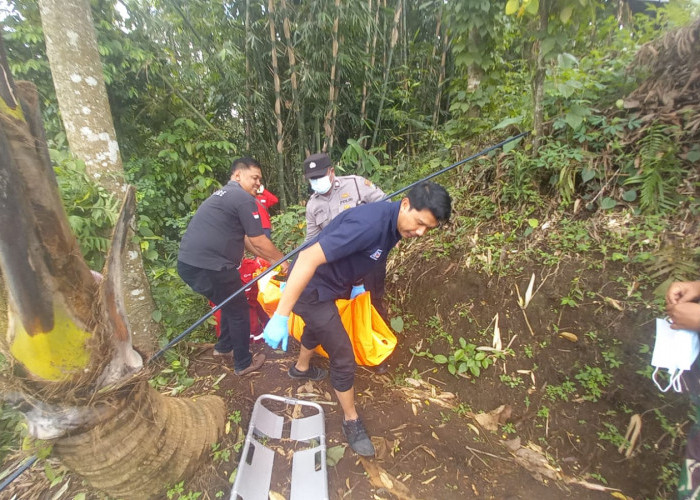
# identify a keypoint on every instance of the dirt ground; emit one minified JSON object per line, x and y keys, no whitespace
{"x":432,"y":441}
{"x":424,"y":421}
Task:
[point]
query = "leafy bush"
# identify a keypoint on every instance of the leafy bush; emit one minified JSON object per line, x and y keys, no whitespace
{"x":92,"y":210}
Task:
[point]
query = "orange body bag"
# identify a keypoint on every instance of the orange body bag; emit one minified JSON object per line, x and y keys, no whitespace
{"x":372,"y":340}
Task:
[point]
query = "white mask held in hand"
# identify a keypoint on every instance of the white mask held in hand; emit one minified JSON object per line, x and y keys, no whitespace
{"x":321,"y":185}
{"x":675,"y":351}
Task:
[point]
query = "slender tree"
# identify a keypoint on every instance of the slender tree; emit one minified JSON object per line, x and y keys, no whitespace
{"x":441,"y":78}
{"x":387,"y":70}
{"x":333,"y":87}
{"x":296,"y":103}
{"x":71,"y":46}
{"x":370,"y":54}
{"x":278,"y":103}
{"x":248,"y":116}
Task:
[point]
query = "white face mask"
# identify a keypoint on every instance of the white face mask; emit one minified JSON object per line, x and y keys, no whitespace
{"x":321,"y":185}
{"x":675,"y":351}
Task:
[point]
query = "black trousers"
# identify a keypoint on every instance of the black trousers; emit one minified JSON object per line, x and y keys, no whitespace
{"x":324,"y":327}
{"x":217,"y":286}
{"x":374,"y":284}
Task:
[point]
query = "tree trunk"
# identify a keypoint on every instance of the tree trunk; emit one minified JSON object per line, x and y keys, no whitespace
{"x":538,"y":78}
{"x":332,"y":88}
{"x":75,"y":376}
{"x":368,"y":70}
{"x":71,"y":47}
{"x":248,"y":116}
{"x":278,"y":104}
{"x":441,"y":80}
{"x":387,"y":70}
{"x":296,"y":104}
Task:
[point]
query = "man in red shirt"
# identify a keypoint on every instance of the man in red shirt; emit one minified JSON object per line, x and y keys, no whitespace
{"x":265,"y":200}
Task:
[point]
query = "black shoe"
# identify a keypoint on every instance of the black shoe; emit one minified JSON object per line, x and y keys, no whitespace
{"x":313,"y":373}
{"x":356,"y":435}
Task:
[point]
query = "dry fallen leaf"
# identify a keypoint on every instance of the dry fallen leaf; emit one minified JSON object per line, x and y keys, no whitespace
{"x":490,"y":420}
{"x":568,"y":336}
{"x":613,"y":303}
{"x":379,"y":478}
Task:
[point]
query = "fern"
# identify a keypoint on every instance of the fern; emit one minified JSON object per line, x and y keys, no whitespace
{"x":659,"y":171}
{"x":673,"y":263}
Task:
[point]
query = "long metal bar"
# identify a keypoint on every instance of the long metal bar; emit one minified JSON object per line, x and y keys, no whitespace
{"x":304,"y":245}
{"x":201,"y":320}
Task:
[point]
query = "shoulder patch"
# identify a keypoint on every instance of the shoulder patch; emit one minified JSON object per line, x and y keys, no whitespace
{"x":368,"y":183}
{"x":344,"y":195}
{"x":256,"y":215}
{"x":377,"y":253}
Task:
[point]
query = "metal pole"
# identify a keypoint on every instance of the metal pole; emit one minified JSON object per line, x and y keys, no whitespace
{"x":304,"y":245}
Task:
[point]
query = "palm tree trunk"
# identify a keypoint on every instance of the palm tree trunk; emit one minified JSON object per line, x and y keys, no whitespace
{"x":387,"y":70}
{"x":76,"y":378}
{"x":278,"y":104}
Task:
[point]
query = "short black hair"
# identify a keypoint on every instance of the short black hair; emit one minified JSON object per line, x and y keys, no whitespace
{"x":244,"y":163}
{"x":432,"y":196}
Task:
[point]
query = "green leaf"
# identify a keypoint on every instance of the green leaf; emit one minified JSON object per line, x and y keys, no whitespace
{"x":694,"y":154}
{"x":565,"y":14}
{"x":587,"y":174}
{"x":533,"y":223}
{"x":476,"y":371}
{"x":440,"y":359}
{"x":547,"y":45}
{"x":607,"y":203}
{"x":157,"y":315}
{"x":511,"y":145}
{"x":574,"y":119}
{"x":451,"y":369}
{"x":334,"y":454}
{"x":512,"y":7}
{"x":508,"y":121}
{"x":532,"y":7}
{"x":629,"y":195}
{"x":397,"y":324}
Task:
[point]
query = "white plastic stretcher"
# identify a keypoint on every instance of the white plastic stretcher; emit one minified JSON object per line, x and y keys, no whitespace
{"x":309,"y":478}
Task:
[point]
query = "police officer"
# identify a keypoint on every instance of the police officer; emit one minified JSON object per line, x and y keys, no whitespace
{"x":332,"y":196}
{"x":347,"y":249}
{"x":210,"y":255}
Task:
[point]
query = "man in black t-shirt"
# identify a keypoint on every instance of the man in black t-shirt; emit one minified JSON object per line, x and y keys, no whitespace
{"x":347,"y":249}
{"x":211,"y":251}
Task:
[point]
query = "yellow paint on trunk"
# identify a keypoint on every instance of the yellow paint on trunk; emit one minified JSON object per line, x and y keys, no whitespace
{"x":53,"y":355}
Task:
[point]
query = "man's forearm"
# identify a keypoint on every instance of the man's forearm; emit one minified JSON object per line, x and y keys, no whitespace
{"x":263,"y":247}
{"x":304,"y":269}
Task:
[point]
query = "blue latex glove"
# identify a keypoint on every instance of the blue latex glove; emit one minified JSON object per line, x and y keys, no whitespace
{"x":277,"y":331}
{"x":357,"y":290}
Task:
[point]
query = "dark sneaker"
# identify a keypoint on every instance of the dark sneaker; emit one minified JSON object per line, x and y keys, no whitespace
{"x":356,"y":435}
{"x":313,"y":373}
